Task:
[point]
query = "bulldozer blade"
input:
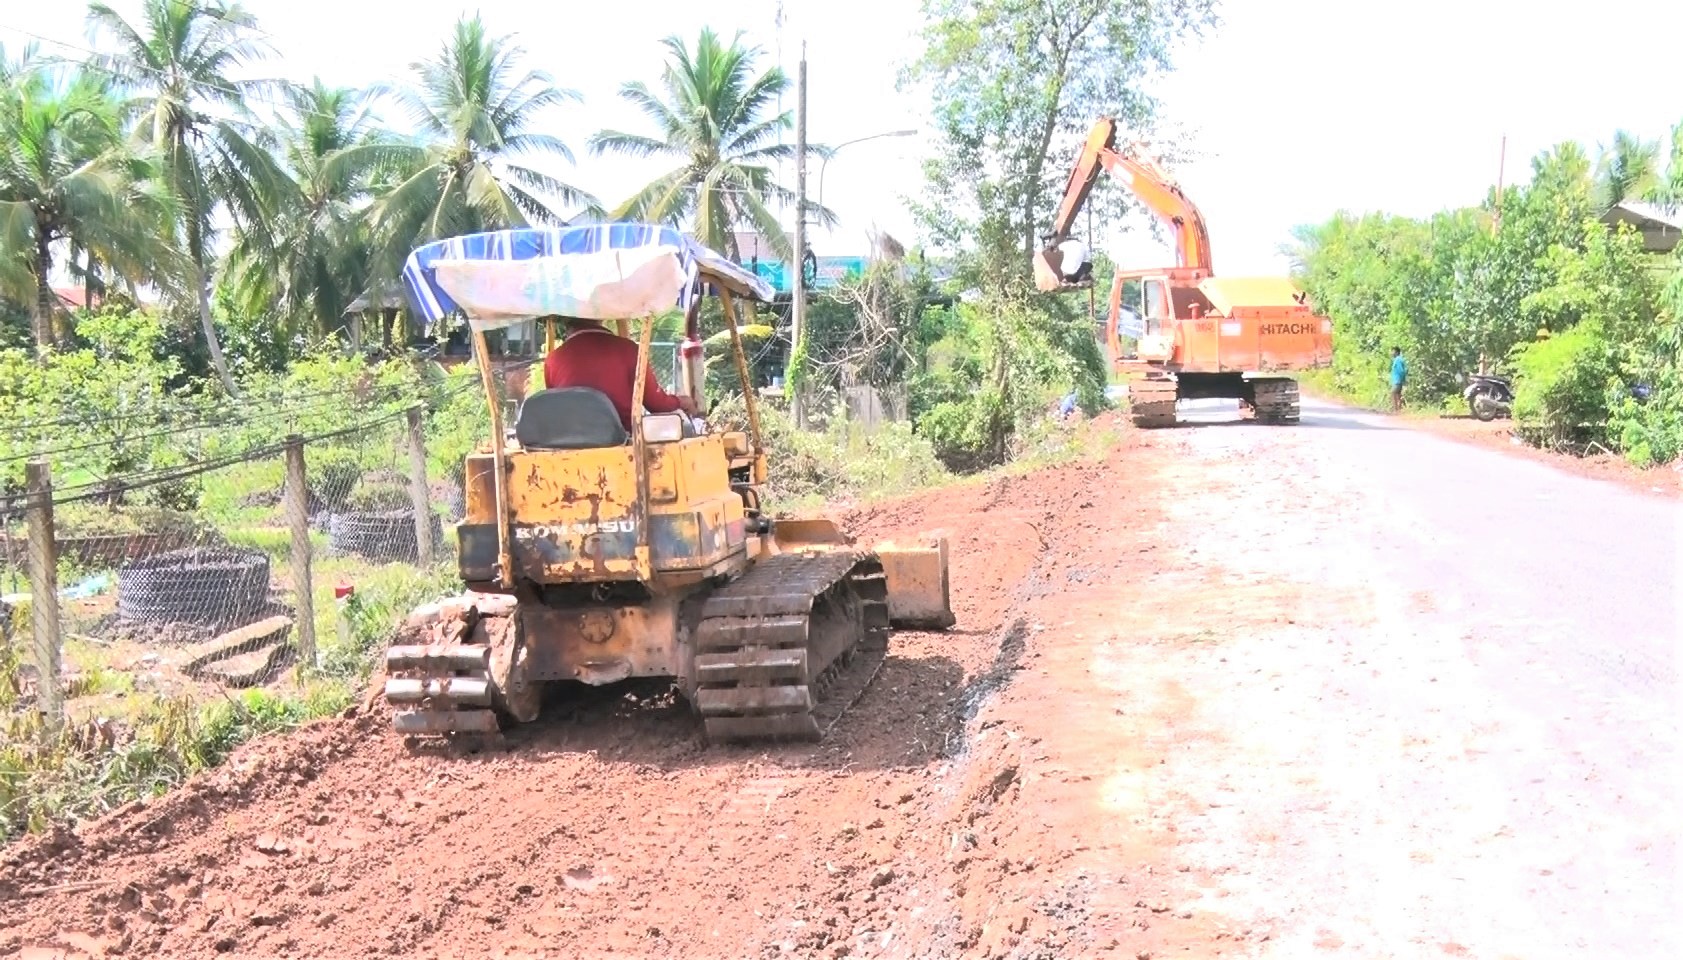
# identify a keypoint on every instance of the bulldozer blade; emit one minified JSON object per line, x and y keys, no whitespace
{"x":799,"y":534}
{"x":919,"y":595}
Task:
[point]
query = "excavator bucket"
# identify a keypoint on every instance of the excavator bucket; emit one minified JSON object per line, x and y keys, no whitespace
{"x":1047,"y":276}
{"x":919,"y":596}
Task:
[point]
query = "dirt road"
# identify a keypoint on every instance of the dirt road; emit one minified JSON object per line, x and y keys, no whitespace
{"x":1234,"y":691}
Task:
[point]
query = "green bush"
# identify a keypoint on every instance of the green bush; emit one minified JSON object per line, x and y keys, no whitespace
{"x":1560,"y":388}
{"x":380,"y":497}
{"x":457,"y":420}
{"x":999,"y":365}
{"x":102,"y":410}
{"x":384,"y":598}
{"x":332,"y":474}
{"x":841,"y":460}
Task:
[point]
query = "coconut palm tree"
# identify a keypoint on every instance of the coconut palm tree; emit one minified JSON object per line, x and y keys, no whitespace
{"x":66,"y":178}
{"x":1668,"y":192}
{"x":469,"y":169}
{"x":1628,"y":170}
{"x":716,"y":121}
{"x":177,"y":61}
{"x":311,"y":257}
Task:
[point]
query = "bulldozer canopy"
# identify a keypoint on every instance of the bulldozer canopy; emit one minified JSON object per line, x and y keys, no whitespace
{"x":615,"y":271}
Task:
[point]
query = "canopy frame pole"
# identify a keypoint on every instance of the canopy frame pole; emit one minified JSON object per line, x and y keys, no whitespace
{"x":749,"y":400}
{"x":639,"y":446}
{"x":499,"y":459}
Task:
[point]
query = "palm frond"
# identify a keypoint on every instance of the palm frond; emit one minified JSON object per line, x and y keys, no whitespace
{"x":558,"y":189}
{"x":630,"y":144}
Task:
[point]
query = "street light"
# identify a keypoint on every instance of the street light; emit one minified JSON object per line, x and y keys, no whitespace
{"x":825,"y":163}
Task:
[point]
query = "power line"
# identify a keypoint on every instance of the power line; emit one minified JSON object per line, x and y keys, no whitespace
{"x":391,"y":391}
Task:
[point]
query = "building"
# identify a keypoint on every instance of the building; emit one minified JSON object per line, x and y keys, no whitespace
{"x":1661,"y":229}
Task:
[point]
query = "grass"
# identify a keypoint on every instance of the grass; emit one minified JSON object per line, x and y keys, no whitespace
{"x":50,"y":779}
{"x":161,"y":740}
{"x":124,"y":739}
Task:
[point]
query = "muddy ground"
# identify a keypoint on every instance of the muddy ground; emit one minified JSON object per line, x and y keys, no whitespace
{"x":1183,"y":713}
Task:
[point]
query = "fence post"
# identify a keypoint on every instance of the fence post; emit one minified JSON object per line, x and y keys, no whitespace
{"x":298,"y":518}
{"x":418,"y":487}
{"x":43,"y":592}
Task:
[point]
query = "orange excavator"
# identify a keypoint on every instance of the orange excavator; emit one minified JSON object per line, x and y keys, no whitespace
{"x":1199,"y":336}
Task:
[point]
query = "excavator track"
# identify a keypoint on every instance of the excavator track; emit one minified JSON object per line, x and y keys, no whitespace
{"x":1277,"y":400}
{"x":1151,"y":403}
{"x":784,"y":651}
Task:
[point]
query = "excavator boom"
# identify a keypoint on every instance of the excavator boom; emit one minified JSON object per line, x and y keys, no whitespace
{"x":1147,"y":181}
{"x":1196,"y":336}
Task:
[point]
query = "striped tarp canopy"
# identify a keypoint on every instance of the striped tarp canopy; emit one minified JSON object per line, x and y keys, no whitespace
{"x":601,"y":271}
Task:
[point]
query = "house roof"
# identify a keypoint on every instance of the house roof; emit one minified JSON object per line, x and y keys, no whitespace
{"x":391,"y":298}
{"x":1661,"y":228}
{"x":75,"y":298}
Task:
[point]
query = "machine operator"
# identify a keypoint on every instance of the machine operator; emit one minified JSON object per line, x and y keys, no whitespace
{"x":589,"y":355}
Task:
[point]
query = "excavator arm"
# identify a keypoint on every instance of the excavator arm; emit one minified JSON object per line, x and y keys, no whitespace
{"x":1147,"y":181}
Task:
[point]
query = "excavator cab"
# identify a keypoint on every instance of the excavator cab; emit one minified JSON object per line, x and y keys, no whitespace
{"x":594,"y":554}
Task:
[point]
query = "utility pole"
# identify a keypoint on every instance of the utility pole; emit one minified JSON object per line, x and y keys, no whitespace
{"x":1501,"y":172}
{"x":797,"y":324}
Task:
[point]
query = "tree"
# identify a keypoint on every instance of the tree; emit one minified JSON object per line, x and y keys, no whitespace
{"x":1669,"y":191}
{"x":1014,"y":81}
{"x":714,"y":121}
{"x":65,"y":177}
{"x":178,"y":62}
{"x":312,"y":258}
{"x":1628,"y":170}
{"x":476,"y":111}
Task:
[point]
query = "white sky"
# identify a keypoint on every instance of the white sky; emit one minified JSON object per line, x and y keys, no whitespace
{"x":1298,"y":107}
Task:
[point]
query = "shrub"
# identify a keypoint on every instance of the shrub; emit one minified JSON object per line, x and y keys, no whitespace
{"x":841,"y":460}
{"x":1560,"y":388}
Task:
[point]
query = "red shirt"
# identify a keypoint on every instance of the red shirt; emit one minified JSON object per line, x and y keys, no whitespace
{"x":606,"y":362}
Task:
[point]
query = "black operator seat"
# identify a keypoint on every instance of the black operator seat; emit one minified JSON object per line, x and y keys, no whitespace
{"x":568,"y":418}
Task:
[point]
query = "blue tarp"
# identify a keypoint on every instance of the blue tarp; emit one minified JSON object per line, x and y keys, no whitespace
{"x":530,"y":243}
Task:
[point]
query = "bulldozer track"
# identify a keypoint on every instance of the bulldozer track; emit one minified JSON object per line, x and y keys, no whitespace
{"x":780,"y":654}
{"x":784,"y":651}
{"x":1151,"y":403}
{"x":1277,"y":400}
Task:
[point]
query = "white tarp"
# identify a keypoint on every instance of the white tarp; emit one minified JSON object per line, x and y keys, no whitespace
{"x":600,"y":285}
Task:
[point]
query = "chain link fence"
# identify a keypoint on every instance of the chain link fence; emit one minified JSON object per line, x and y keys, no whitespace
{"x":292,"y":558}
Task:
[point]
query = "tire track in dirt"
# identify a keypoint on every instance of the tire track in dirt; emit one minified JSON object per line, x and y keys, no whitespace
{"x":607,"y":828}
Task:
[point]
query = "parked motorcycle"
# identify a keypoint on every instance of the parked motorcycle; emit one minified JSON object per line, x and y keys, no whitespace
{"x":1489,"y":396}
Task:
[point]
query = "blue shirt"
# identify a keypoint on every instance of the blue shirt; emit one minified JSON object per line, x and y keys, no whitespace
{"x":1399,"y":371}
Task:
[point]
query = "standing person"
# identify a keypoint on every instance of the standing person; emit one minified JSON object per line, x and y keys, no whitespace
{"x":1399,"y":376}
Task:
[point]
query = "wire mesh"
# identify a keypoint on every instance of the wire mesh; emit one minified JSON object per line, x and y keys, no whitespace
{"x":219,"y":572}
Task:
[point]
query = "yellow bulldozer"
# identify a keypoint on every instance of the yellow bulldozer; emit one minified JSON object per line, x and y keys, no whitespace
{"x":592,"y":553}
